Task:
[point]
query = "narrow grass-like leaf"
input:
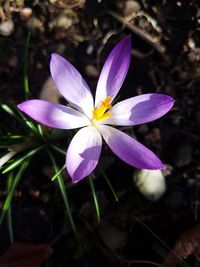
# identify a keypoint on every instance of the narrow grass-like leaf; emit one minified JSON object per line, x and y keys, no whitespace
{"x":20,"y":117}
{"x":26,"y":82}
{"x":15,"y":183}
{"x":25,"y":121}
{"x":40,"y":130}
{"x":16,"y":180}
{"x":58,"y":173}
{"x":96,"y":203}
{"x":5,"y":158}
{"x":19,"y":161}
{"x":7,"y":109}
{"x":109,"y":183}
{"x":9,"y":136}
{"x":9,"y":213}
{"x":9,"y":140}
{"x":58,"y":150}
{"x":31,"y":126}
{"x":28,"y":123}
{"x":63,"y":192}
{"x":41,"y":133}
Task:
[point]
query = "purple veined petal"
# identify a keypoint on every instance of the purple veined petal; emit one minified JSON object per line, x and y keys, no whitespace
{"x":114,"y":71}
{"x":130,"y":150}
{"x":83,"y":153}
{"x":139,"y":109}
{"x":54,"y":115}
{"x":71,"y":84}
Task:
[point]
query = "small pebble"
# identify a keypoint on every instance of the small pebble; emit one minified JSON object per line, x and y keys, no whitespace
{"x":131,"y":7}
{"x":150,"y":183}
{"x":34,"y":24}
{"x":63,"y":21}
{"x":91,"y":71}
{"x":6,"y":28}
{"x":25,"y":13}
{"x":49,"y":92}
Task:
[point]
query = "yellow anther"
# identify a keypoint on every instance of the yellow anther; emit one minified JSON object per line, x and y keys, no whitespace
{"x":106,"y":102}
{"x":99,"y":113}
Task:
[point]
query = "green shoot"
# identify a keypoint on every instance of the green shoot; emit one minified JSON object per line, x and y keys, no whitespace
{"x":7,"y":109}
{"x":26,"y":82}
{"x":58,"y":173}
{"x":96,"y":203}
{"x":16,"y":180}
{"x":58,"y":150}
{"x":20,"y":160}
{"x":109,"y":183}
{"x":63,"y":191}
{"x":9,"y":213}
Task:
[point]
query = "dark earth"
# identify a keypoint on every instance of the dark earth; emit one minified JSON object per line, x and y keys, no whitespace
{"x":137,"y":230}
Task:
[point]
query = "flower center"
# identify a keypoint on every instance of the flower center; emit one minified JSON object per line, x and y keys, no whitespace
{"x":100,"y":112}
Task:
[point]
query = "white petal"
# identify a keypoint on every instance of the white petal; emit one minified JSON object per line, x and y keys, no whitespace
{"x":54,"y":115}
{"x":114,"y":71}
{"x":83,"y":153}
{"x":71,"y":84}
{"x":139,"y":109}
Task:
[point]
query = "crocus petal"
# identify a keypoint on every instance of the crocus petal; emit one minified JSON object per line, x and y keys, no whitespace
{"x":139,"y":109}
{"x":129,"y":150}
{"x":54,"y":115}
{"x":71,"y":84}
{"x":114,"y":71}
{"x":83,"y":153}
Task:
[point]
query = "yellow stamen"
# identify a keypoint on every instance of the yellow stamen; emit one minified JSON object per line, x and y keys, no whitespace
{"x":99,"y":113}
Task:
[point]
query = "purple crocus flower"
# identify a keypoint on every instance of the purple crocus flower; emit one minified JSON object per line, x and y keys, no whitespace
{"x":85,"y":148}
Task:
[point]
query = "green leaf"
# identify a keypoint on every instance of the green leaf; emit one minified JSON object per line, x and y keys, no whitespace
{"x":9,"y":140}
{"x":20,"y":117}
{"x":15,"y":183}
{"x":96,"y":202}
{"x":9,"y":213}
{"x":63,"y":192}
{"x":12,"y":189}
{"x":28,"y":123}
{"x":109,"y":183}
{"x":58,"y":150}
{"x":18,"y":161}
{"x":9,"y":136}
{"x":58,"y":173}
{"x":26,"y":82}
{"x":7,"y":109}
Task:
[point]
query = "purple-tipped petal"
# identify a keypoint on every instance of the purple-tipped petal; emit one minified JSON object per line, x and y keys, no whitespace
{"x":54,"y":115}
{"x":139,"y":109}
{"x":114,"y":71}
{"x":83,"y":153}
{"x":130,"y":150}
{"x":71,"y":84}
